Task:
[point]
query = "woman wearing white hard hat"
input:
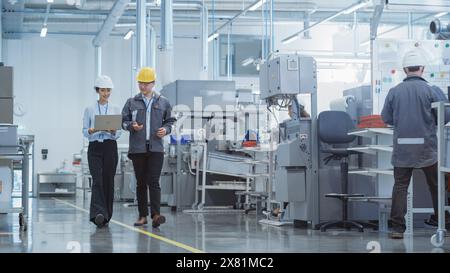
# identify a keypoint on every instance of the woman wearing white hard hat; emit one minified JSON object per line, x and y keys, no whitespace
{"x":102,"y":153}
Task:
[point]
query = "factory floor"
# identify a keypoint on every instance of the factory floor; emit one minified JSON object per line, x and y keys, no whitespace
{"x":61,"y":225}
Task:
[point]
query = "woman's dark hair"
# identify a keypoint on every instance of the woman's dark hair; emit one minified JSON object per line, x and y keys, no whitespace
{"x":413,"y":68}
{"x":98,"y":88}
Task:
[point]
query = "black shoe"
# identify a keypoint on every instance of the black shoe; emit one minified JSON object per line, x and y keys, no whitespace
{"x":99,"y":220}
{"x":141,"y":222}
{"x":158,"y":220}
{"x":433,"y":221}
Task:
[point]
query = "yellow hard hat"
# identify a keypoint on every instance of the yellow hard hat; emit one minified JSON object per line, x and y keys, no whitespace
{"x":146,"y":74}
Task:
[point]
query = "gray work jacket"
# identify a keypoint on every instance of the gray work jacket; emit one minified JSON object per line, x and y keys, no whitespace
{"x":161,"y":116}
{"x":408,"y":108}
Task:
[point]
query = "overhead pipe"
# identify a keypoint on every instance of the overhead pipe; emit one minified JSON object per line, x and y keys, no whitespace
{"x":47,"y":12}
{"x":113,"y":17}
{"x":152,"y":45}
{"x":166,"y":25}
{"x":141,"y":30}
{"x":98,"y":61}
{"x":190,"y":14}
{"x":204,"y":42}
{"x":1,"y":36}
{"x":346,"y":10}
{"x":167,"y":67}
{"x":151,"y":41}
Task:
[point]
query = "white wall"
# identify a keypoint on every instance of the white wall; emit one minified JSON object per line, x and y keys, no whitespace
{"x":53,"y":78}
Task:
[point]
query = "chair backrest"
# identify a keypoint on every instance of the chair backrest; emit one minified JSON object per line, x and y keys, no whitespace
{"x":333,"y":127}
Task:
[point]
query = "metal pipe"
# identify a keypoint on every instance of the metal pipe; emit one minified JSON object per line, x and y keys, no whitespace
{"x":47,"y":12}
{"x":57,"y":33}
{"x":25,"y":182}
{"x":410,"y":26}
{"x":151,"y":36}
{"x":98,"y":61}
{"x":113,"y":17}
{"x":375,"y":21}
{"x":272,"y":29}
{"x":329,"y":18}
{"x":215,"y":70}
{"x":141,"y":30}
{"x":205,"y":147}
{"x":306,"y":24}
{"x":204,"y":42}
{"x":133,"y":65}
{"x":223,"y":15}
{"x":1,"y":36}
{"x":166,"y":25}
{"x":264,"y":33}
{"x":166,"y":70}
{"x":229,"y":53}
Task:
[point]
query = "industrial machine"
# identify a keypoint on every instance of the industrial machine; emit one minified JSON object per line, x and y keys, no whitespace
{"x":296,"y":163}
{"x":203,"y":156}
{"x":6,"y":95}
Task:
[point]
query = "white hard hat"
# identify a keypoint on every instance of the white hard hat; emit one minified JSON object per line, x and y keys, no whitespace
{"x":413,"y":58}
{"x":103,"y":81}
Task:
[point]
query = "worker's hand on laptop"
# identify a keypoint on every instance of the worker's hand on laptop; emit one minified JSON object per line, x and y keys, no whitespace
{"x":161,"y":132}
{"x":137,"y":127}
{"x":91,"y":131}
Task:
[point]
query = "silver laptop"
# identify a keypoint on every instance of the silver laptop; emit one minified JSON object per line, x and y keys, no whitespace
{"x":108,"y":122}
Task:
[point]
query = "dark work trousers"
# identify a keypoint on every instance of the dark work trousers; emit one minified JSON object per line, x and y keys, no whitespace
{"x":402,"y":178}
{"x":102,"y":159}
{"x":147,"y":168}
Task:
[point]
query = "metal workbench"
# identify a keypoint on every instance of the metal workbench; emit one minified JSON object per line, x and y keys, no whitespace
{"x":22,"y":155}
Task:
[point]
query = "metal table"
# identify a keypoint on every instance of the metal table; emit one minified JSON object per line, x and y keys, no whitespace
{"x":23,"y":211}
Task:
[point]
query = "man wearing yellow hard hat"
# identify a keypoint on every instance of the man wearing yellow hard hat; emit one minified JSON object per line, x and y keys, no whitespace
{"x":147,"y":116}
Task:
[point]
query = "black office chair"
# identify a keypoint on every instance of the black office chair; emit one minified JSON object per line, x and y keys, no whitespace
{"x":333,"y":128}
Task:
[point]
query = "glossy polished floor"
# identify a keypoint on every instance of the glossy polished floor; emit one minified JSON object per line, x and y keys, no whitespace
{"x":61,"y":225}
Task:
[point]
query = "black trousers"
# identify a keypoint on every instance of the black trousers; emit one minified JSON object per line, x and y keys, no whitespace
{"x":402,"y":178}
{"x":147,"y":168}
{"x":102,"y":159}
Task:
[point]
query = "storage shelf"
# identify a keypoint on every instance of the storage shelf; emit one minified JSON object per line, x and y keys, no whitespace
{"x":371,"y":132}
{"x":52,"y":182}
{"x":237,"y":175}
{"x":373,"y":199}
{"x":53,"y":192}
{"x":371,"y":172}
{"x":224,"y":187}
{"x":372,"y":149}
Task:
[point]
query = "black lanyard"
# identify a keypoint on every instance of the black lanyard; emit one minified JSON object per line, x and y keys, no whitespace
{"x":149,"y":104}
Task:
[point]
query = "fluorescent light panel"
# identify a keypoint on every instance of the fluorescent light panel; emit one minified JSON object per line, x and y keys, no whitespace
{"x":43,"y":32}
{"x":247,"y":61}
{"x":128,"y":35}
{"x":440,"y":14}
{"x":256,"y":5}
{"x":213,"y":36}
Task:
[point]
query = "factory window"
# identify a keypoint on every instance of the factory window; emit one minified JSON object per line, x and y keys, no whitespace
{"x":245,"y":52}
